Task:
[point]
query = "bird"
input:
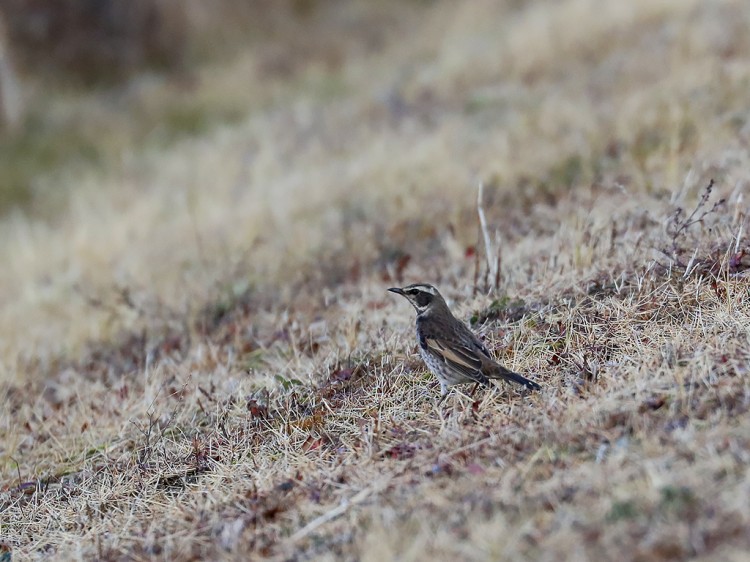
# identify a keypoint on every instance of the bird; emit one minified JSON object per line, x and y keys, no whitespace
{"x":451,"y":351}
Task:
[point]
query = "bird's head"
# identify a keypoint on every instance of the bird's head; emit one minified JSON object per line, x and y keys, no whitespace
{"x":423,"y":297}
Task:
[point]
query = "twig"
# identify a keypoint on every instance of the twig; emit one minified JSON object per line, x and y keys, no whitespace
{"x":498,"y":261}
{"x":740,"y":232}
{"x":332,"y":514}
{"x":689,"y":267}
{"x":20,"y":483}
{"x":497,"y":273}
{"x":476,"y":270}
{"x":492,"y":271}
{"x":681,"y":225}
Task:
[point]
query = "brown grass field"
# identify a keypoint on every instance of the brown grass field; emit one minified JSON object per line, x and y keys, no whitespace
{"x":199,"y":358}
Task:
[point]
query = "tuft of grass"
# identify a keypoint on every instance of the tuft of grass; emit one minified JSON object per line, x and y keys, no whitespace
{"x":505,"y":308}
{"x":679,"y":501}
{"x":567,"y":173}
{"x":622,"y":510}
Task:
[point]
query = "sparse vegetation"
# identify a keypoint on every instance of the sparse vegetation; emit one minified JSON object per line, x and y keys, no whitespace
{"x":198,"y":358}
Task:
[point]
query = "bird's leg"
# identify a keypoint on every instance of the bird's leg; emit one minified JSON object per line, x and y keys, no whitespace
{"x":474,"y":390}
{"x":443,"y":392}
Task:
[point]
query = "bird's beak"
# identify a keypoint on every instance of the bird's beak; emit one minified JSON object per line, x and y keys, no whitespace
{"x":397,"y":290}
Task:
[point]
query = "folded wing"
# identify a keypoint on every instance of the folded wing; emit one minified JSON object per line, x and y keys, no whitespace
{"x":459,"y":357}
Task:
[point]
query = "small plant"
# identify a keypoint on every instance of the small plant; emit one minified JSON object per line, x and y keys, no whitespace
{"x":505,"y":308}
{"x":622,"y":510}
{"x":679,"y":224}
{"x":691,"y":253}
{"x":679,"y":500}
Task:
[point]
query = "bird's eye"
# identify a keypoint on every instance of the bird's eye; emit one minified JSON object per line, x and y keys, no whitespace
{"x":413,"y":292}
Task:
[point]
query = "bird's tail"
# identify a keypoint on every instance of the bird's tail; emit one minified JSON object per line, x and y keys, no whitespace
{"x":500,"y":372}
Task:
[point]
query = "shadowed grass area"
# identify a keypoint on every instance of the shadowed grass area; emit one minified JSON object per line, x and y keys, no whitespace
{"x":210,"y":366}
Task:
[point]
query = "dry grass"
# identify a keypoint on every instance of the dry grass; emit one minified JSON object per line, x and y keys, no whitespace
{"x":200,"y":360}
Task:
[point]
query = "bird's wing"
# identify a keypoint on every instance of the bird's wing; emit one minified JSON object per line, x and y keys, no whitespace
{"x":460,"y":357}
{"x":470,"y":339}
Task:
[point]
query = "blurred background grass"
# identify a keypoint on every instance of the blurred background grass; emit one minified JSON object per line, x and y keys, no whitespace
{"x":186,"y":144}
{"x":81,"y":82}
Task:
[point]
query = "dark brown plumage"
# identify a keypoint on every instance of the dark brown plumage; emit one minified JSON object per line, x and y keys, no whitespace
{"x":449,"y":349}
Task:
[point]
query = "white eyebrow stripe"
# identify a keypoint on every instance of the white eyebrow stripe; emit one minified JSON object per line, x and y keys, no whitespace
{"x":426,"y":288}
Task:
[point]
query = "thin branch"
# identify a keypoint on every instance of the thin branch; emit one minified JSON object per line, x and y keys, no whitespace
{"x":333,"y":514}
{"x":491,"y":265}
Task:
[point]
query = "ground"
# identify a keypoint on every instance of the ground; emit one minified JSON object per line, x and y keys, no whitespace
{"x":199,"y":358}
